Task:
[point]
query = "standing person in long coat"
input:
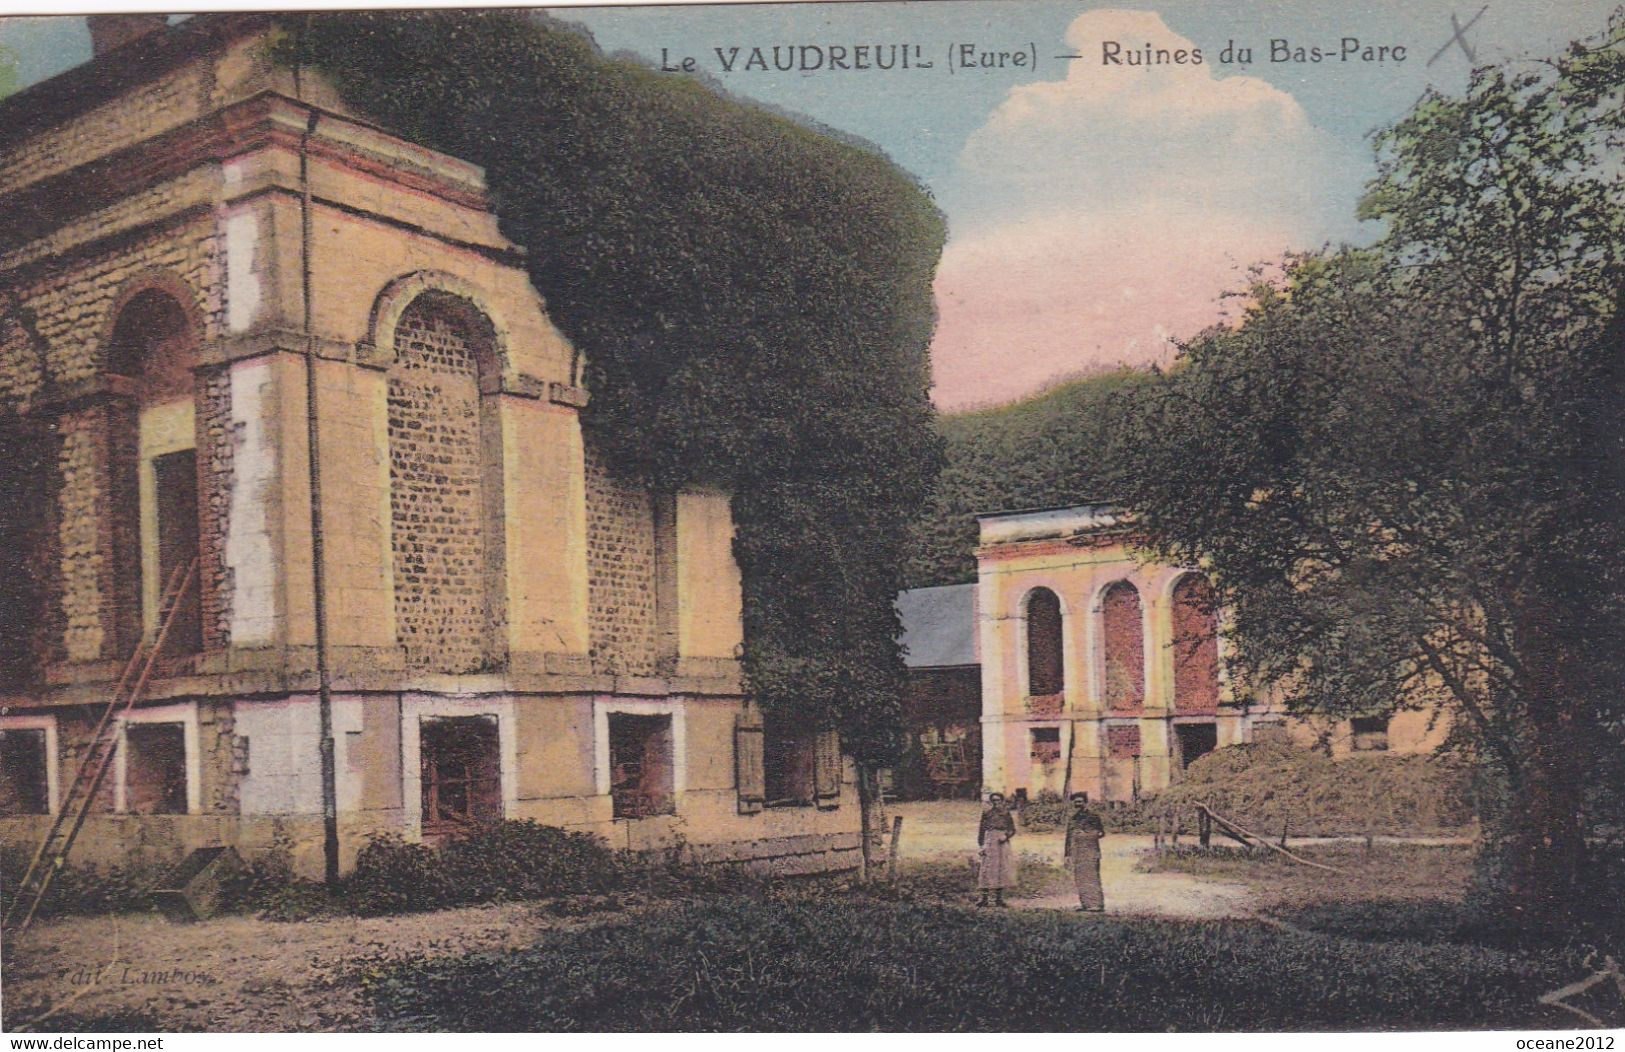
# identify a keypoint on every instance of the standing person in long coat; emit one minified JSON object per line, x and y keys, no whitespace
{"x":1083,"y":832}
{"x":998,"y":868}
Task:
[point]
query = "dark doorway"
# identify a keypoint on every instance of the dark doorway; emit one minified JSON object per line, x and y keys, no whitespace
{"x":155,"y":769}
{"x":1369,"y":733}
{"x":24,"y":775}
{"x":642,"y":776}
{"x":175,"y":482}
{"x":1196,"y":740}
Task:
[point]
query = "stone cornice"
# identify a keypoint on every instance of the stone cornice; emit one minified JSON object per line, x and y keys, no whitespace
{"x":259,"y":122}
{"x":239,"y":672}
{"x":82,"y":88}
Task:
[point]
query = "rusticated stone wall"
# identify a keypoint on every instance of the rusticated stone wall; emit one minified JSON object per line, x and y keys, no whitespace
{"x":1123,"y":635}
{"x":1196,"y":645}
{"x":435,"y":495}
{"x":620,"y":572}
{"x":215,"y":480}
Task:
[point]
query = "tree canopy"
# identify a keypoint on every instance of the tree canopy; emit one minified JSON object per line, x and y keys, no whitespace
{"x":1404,"y":465}
{"x":752,"y":295}
{"x":1045,"y":451}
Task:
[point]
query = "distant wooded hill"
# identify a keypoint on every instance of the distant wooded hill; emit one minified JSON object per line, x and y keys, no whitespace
{"x":1052,"y":449}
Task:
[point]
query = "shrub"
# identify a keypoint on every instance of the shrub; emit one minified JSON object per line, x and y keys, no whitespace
{"x":87,"y":888}
{"x":270,"y":889}
{"x":507,"y":861}
{"x":393,"y":876}
{"x":1045,"y":811}
{"x":525,"y":860}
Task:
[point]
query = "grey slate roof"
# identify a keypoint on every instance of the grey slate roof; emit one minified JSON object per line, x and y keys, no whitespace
{"x":939,"y":625}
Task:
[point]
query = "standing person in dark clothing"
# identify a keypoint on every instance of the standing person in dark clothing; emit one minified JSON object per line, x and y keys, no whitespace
{"x":998,"y":868}
{"x":1083,"y":833}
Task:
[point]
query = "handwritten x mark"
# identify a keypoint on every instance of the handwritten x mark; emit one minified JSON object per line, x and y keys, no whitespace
{"x":1460,"y":37}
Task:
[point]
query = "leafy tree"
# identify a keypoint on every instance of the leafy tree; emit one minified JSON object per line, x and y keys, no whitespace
{"x":1404,"y":465}
{"x":752,"y":297}
{"x":1044,"y":451}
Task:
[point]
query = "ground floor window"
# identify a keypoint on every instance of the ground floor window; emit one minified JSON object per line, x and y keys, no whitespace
{"x":1196,"y":740}
{"x":461,"y":773}
{"x":1370,"y":733}
{"x":789,"y":761}
{"x":642,"y":776}
{"x":1046,"y":747}
{"x":155,"y":769}
{"x":24,"y":780}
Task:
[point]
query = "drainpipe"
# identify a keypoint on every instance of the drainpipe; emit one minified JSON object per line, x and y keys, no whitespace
{"x":324,"y":685}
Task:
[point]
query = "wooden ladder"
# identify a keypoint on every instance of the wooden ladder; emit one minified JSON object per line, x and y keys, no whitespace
{"x":75,"y":804}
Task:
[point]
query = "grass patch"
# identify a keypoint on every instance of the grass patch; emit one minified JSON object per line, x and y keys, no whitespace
{"x":1409,"y":872}
{"x":1395,"y":893}
{"x":812,"y":964}
{"x":945,"y":881}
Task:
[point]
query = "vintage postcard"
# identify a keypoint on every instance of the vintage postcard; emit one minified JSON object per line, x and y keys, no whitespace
{"x":935,"y":516}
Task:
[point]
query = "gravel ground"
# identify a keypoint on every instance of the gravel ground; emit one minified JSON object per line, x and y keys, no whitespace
{"x":234,"y":973}
{"x":946,"y":829}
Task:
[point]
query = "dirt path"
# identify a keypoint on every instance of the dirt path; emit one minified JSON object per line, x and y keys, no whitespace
{"x":236,"y":973}
{"x":245,"y":974}
{"x":947,"y":830}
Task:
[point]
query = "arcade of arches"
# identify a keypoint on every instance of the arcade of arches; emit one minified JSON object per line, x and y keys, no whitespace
{"x":1100,"y":672}
{"x":1101,"y":669}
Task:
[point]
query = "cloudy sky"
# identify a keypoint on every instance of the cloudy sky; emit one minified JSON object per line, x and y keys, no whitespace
{"x":1095,"y":210}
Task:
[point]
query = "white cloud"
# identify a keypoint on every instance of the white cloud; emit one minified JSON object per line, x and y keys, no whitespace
{"x":1094,"y":216}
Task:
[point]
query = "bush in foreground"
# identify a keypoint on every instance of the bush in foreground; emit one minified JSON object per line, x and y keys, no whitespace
{"x":507,"y":861}
{"x":498,"y":863}
{"x":88,"y":888}
{"x":853,"y":965}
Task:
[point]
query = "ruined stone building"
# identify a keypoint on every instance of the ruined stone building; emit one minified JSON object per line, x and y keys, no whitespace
{"x":1101,"y":670}
{"x":197,"y":239}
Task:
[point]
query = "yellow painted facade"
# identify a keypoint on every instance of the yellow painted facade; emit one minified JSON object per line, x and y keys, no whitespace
{"x":297,"y":236}
{"x":1109,"y":749}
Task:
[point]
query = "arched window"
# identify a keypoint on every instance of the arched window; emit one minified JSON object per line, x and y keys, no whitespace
{"x":1196,"y":645}
{"x":1123,"y":635}
{"x":437,"y":484}
{"x":153,"y":344}
{"x":154,"y":474}
{"x":1045,"y":674}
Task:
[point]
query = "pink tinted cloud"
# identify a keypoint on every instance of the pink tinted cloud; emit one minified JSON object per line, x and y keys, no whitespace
{"x":1095,"y":218}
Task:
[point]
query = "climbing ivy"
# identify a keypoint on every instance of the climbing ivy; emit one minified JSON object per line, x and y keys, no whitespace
{"x":752,"y":295}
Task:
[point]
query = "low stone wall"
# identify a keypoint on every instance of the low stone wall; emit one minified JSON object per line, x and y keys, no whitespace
{"x":158,"y":841}
{"x":788,"y":856}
